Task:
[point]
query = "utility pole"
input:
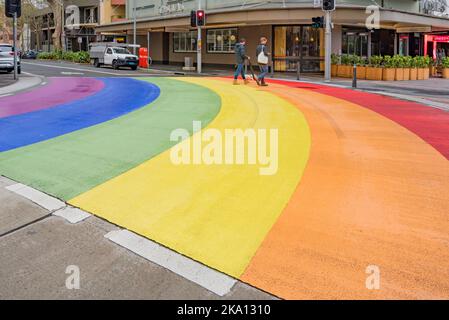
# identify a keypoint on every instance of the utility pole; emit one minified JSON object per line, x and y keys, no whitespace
{"x":199,"y":46}
{"x":134,"y":27}
{"x":14,"y":32}
{"x":328,"y":44}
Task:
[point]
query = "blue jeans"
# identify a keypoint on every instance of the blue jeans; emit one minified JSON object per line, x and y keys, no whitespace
{"x":240,"y":70}
{"x":263,"y":71}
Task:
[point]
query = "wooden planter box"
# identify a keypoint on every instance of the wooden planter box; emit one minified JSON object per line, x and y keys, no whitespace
{"x":420,"y":74}
{"x":426,"y":73}
{"x":389,"y":74}
{"x":373,"y":73}
{"x":399,"y":74}
{"x":446,"y":73}
{"x":413,"y":74}
{"x":433,"y":71}
{"x":334,"y":68}
{"x":347,"y":71}
{"x":406,"y":74}
{"x":361,"y":72}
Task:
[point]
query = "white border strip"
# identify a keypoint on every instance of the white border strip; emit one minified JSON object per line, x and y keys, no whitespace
{"x":72,"y":215}
{"x":40,"y":198}
{"x":208,"y":278}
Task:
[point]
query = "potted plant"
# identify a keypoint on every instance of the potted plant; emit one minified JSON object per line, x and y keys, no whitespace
{"x":398,"y":64}
{"x":427,"y":63}
{"x":420,"y":64}
{"x":407,"y":62}
{"x":344,"y":68}
{"x":374,"y":68}
{"x":445,"y":65}
{"x":335,"y":60}
{"x":414,"y":68}
{"x":389,"y":72}
{"x":361,"y":68}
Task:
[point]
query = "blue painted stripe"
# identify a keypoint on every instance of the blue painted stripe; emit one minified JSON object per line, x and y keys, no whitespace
{"x":120,"y":96}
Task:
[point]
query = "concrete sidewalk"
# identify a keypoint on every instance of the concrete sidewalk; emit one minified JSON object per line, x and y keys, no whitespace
{"x":37,"y":247}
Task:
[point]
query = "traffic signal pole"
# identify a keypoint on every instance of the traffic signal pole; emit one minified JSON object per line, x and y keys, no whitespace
{"x":14,"y":32}
{"x":328,"y":44}
{"x":199,"y":61}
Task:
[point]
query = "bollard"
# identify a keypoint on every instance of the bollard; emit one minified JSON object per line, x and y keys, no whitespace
{"x":354,"y":76}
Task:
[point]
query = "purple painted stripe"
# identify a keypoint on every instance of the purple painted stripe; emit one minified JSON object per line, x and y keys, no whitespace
{"x":57,"y":91}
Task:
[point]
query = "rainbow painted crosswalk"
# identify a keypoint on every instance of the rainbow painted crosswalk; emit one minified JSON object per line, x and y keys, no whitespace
{"x":362,"y":179}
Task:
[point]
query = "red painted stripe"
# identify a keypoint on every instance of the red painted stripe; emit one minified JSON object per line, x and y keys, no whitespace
{"x":430,"y":124}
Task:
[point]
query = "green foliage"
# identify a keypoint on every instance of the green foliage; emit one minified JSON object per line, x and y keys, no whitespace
{"x":408,"y":62}
{"x":78,"y":57}
{"x":376,"y":61}
{"x":335,"y":58}
{"x":445,"y":62}
{"x":388,"y":62}
{"x":345,"y":59}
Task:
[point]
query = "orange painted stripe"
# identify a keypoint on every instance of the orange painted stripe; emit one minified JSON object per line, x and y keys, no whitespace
{"x":373,"y":194}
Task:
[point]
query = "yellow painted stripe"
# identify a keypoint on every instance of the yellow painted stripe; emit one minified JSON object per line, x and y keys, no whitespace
{"x":216,"y":214}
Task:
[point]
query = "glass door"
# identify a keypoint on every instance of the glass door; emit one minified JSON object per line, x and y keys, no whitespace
{"x":298,"y":43}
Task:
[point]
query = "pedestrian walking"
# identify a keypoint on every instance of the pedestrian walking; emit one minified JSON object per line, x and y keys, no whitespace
{"x":240,"y":56}
{"x":262,"y":55}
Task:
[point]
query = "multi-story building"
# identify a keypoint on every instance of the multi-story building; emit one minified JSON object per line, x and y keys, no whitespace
{"x":164,"y":26}
{"x":81,"y":17}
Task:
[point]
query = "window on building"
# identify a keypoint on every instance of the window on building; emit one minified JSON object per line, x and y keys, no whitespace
{"x":221,"y":40}
{"x":184,"y":41}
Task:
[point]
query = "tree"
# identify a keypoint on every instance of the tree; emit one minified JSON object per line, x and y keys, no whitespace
{"x":57,"y":7}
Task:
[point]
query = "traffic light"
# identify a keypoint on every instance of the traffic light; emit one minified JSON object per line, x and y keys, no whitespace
{"x":11,"y":7}
{"x":317,"y":22}
{"x":328,"y":5}
{"x":200,"y":18}
{"x":193,"y":19}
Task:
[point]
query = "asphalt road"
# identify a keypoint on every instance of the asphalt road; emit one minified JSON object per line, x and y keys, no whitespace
{"x":65,"y":69}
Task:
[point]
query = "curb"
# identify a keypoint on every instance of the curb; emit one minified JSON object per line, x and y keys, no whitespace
{"x":22,"y":84}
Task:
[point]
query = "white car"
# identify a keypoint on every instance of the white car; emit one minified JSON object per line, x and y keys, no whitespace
{"x":115,"y":56}
{"x":7,"y":58}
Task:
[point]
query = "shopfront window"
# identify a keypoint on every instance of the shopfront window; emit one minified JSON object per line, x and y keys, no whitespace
{"x":298,"y":43}
{"x":355,"y":41}
{"x":404,"y":44}
{"x":184,"y":41}
{"x":221,"y":40}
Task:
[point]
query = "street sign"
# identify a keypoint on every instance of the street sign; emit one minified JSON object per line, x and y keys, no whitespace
{"x":13,"y":6}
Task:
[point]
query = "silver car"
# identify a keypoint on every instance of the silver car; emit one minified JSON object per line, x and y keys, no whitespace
{"x":7,"y":58}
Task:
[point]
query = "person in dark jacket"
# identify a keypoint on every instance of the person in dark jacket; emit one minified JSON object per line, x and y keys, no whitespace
{"x":263,"y":65}
{"x":240,"y":56}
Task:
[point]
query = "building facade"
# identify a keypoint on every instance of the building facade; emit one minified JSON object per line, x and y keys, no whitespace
{"x":81,"y":17}
{"x":164,"y":27}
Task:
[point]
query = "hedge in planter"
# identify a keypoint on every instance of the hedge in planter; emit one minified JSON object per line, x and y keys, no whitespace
{"x":389,"y":71}
{"x":445,"y":65}
{"x":374,"y":68}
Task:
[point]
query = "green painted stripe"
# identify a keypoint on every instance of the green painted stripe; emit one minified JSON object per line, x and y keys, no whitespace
{"x":75,"y":163}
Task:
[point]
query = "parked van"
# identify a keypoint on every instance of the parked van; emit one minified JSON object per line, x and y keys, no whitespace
{"x":112,"y":54}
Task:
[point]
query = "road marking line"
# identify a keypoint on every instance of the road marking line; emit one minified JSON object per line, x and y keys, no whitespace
{"x":206,"y":277}
{"x":38,"y":197}
{"x":71,"y":73}
{"x":72,"y":215}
